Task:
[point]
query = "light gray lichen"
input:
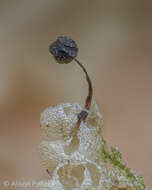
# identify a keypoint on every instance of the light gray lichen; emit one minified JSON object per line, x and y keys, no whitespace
{"x":78,"y":157}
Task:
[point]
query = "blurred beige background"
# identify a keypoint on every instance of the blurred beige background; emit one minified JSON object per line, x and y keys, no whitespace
{"x":115,"y":41}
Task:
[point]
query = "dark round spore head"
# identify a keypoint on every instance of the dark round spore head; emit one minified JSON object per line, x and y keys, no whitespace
{"x":64,"y":49}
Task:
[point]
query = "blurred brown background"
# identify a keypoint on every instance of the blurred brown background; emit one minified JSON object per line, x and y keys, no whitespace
{"x":115,"y":41}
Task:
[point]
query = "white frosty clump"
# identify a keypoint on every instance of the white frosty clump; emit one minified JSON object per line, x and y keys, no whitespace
{"x":77,"y":157}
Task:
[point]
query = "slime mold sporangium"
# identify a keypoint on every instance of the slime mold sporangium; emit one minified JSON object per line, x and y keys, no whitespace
{"x":76,"y":155}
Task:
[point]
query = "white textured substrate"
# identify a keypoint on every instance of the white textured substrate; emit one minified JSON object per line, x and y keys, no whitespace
{"x":72,"y":154}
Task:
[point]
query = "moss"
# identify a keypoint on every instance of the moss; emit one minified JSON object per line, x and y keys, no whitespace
{"x":113,"y":156}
